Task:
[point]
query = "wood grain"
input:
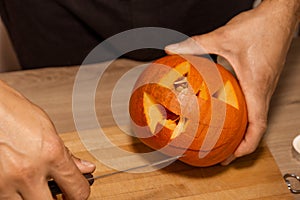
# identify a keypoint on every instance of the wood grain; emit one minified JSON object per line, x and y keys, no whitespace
{"x":284,"y":116}
{"x":252,"y":177}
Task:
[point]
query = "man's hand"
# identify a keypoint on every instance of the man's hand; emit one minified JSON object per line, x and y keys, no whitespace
{"x":255,"y":43}
{"x":31,"y":152}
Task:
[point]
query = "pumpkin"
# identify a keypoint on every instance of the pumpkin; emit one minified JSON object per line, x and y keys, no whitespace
{"x":191,"y":106}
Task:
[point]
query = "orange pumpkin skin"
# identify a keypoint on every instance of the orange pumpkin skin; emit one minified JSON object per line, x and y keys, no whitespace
{"x":180,"y":106}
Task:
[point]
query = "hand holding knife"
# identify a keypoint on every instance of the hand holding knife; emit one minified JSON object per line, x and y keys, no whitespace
{"x":55,"y":190}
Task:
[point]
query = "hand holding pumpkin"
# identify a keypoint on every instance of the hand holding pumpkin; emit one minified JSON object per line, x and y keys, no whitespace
{"x":255,"y":43}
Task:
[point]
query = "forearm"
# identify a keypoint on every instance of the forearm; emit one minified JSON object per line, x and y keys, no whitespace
{"x":288,"y":10}
{"x":293,"y":7}
{"x":278,"y":20}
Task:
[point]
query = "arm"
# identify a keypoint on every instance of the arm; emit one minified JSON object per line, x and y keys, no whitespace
{"x":32,"y":152}
{"x":255,"y":43}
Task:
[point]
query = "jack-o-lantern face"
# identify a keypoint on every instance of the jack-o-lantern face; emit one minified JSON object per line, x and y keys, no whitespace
{"x":181,"y":105}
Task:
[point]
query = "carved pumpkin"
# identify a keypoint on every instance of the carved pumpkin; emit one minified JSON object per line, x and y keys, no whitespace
{"x":189,"y":105}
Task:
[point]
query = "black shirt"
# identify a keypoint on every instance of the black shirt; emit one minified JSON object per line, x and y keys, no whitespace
{"x":63,"y":32}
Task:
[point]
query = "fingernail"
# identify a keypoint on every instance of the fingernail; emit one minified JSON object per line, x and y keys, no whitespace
{"x":87,"y":163}
{"x":172,"y":47}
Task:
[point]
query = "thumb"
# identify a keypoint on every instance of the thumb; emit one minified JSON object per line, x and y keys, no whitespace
{"x":83,"y":165}
{"x":201,"y":44}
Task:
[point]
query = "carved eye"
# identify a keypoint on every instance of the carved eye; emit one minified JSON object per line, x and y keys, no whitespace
{"x":227,"y":95}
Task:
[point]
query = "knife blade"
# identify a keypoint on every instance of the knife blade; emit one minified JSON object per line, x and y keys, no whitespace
{"x":55,"y":190}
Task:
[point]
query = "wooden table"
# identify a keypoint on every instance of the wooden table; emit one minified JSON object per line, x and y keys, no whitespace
{"x":257,"y":176}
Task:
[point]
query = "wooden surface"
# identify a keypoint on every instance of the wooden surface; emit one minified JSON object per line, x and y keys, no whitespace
{"x":253,"y":177}
{"x":256,"y":176}
{"x":284,"y":116}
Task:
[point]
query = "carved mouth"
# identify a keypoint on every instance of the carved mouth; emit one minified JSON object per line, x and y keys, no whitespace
{"x":156,"y":114}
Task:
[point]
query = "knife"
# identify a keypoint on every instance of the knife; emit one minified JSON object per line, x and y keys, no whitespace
{"x":55,"y":190}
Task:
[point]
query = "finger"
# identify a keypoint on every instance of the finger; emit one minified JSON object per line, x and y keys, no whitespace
{"x":257,"y":107}
{"x":10,"y":195}
{"x":252,"y":139}
{"x":253,"y":135}
{"x":248,"y":144}
{"x":228,"y":160}
{"x":201,"y":44}
{"x":70,"y":180}
{"x":255,"y":130}
{"x":36,"y":190}
{"x":83,"y":165}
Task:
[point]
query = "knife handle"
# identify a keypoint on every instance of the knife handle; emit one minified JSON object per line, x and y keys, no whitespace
{"x":55,"y":190}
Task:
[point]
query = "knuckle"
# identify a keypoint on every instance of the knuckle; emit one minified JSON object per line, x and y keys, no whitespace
{"x":262,"y":126}
{"x":225,"y":37}
{"x":54,"y":149}
{"x":224,"y":33}
{"x":194,"y":38}
{"x":24,"y":175}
